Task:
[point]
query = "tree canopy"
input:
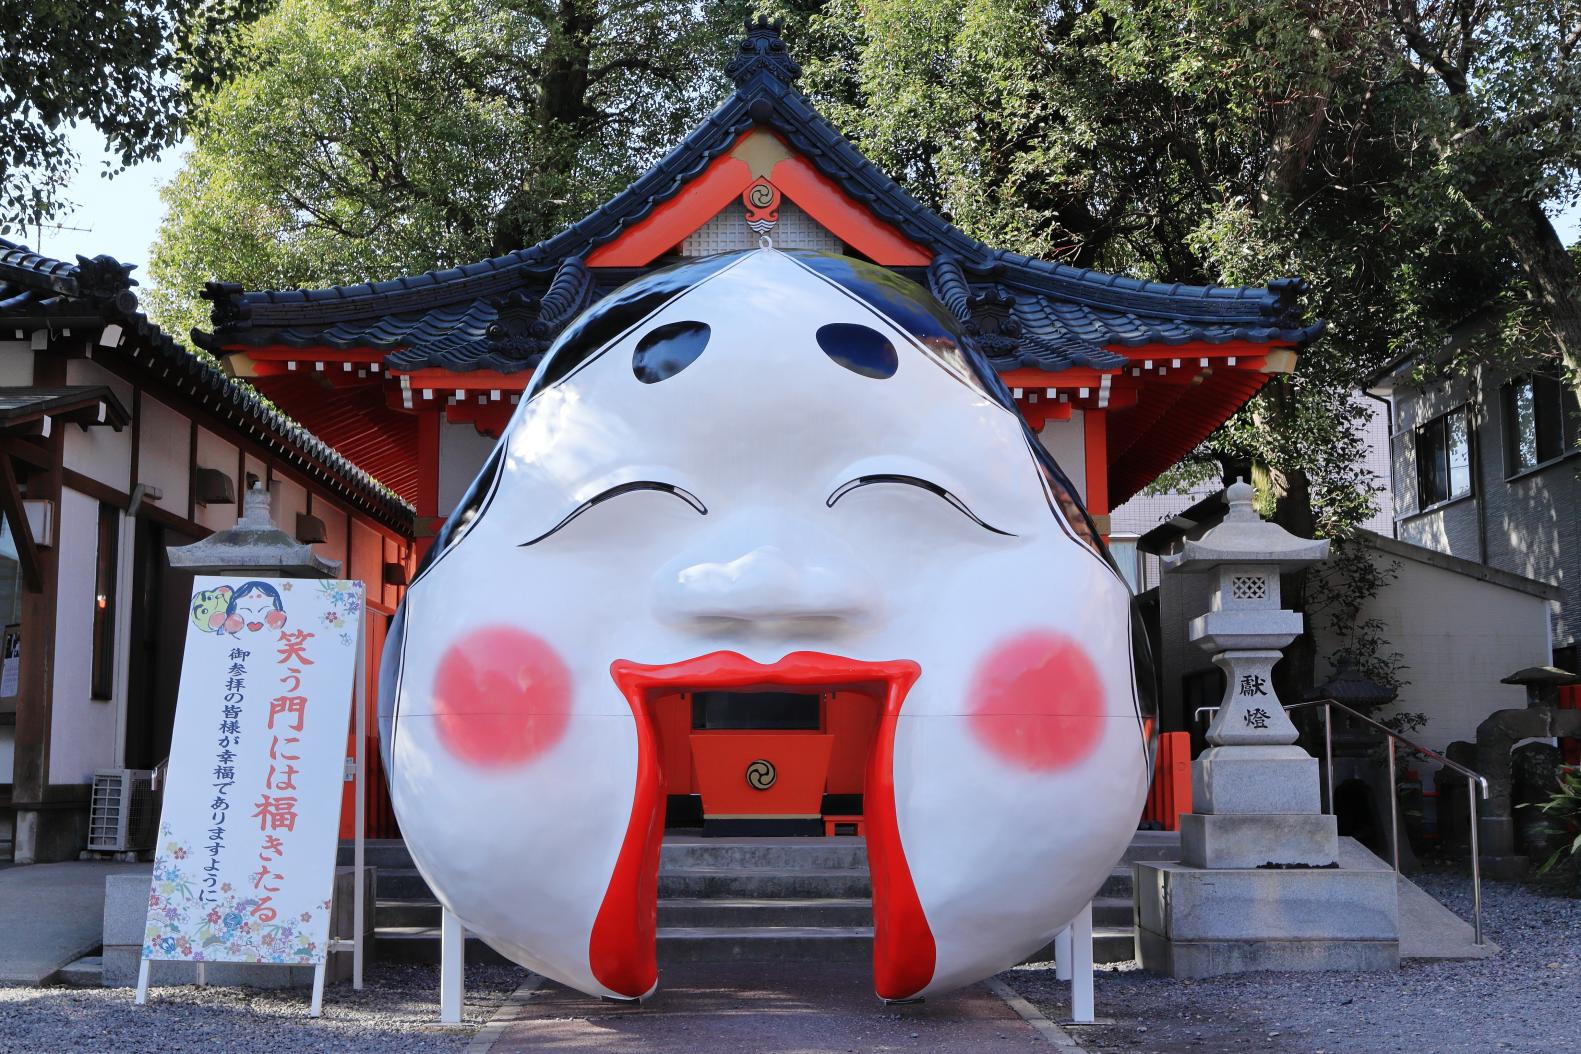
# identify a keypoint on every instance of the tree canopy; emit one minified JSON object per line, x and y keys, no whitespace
{"x":128,"y":67}
{"x":1396,"y":154}
{"x":364,"y":140}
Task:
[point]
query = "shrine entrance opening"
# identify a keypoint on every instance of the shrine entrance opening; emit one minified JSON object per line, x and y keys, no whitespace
{"x":770,"y":762}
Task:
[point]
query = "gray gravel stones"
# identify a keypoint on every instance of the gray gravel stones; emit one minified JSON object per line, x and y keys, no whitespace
{"x":396,"y":1012}
{"x":1522,"y":1000}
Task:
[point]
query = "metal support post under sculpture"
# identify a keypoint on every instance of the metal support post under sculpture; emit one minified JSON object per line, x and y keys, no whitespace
{"x":1263,"y":882}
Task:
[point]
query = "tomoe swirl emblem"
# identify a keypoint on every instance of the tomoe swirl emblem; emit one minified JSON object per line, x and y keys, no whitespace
{"x":761,"y":775}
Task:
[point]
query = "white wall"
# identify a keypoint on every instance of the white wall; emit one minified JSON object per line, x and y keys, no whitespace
{"x":216,"y":453}
{"x":1067,"y":441}
{"x":82,"y":730}
{"x":1459,"y":636}
{"x":164,"y":453}
{"x":16,"y":361}
{"x":102,"y":453}
{"x":462,"y":452}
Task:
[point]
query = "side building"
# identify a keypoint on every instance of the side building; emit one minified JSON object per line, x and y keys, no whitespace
{"x":1484,"y":468}
{"x":116,"y":443}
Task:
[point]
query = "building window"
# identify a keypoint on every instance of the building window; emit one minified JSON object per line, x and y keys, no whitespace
{"x":1443,"y":458}
{"x":1539,"y":420}
{"x":104,"y":602}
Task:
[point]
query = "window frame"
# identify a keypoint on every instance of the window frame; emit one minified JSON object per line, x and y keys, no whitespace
{"x":1549,"y":398}
{"x":1436,"y":433}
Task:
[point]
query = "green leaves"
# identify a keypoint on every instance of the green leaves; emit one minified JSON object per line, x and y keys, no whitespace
{"x":358,"y":141}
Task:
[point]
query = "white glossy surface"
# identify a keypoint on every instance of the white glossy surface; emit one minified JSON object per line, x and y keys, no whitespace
{"x":762,"y":428}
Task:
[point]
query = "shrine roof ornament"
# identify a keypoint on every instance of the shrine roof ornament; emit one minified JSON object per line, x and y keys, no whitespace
{"x":1028,"y":313}
{"x":762,"y":51}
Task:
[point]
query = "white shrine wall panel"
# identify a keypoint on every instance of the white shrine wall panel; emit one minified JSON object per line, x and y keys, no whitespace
{"x":82,"y":729}
{"x":1067,"y":441}
{"x":102,"y":453}
{"x":164,"y":452}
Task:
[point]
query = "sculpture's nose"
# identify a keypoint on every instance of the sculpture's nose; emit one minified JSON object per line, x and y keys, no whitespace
{"x":755,"y":573}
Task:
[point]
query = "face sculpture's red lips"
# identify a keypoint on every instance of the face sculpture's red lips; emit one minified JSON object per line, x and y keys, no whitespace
{"x":622,"y":948}
{"x":728,"y":670}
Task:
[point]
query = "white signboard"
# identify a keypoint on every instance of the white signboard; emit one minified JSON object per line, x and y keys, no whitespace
{"x":246,"y":857}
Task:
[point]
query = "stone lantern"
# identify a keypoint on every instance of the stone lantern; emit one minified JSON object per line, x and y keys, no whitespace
{"x":1260,"y":884}
{"x":254,"y":546}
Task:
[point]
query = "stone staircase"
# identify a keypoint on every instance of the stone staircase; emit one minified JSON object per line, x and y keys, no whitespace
{"x":743,"y":900}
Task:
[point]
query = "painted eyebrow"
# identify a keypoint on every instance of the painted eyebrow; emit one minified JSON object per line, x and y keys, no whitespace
{"x":615,"y":492}
{"x":914,"y":481}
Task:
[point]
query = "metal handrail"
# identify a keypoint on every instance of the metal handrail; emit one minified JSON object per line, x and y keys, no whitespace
{"x":1474,"y":781}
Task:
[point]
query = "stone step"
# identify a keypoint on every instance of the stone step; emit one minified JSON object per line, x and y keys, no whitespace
{"x":402,"y":883}
{"x":420,"y":944}
{"x":714,"y":944}
{"x":761,"y":943}
{"x":764,"y":883}
{"x":1117,"y":886}
{"x":1113,"y":911}
{"x":1110,"y":944}
{"x":376,"y":852}
{"x":685,"y":912}
{"x":397,"y":911}
{"x":1153,"y":845}
{"x":825,"y":854}
{"x":87,"y":972}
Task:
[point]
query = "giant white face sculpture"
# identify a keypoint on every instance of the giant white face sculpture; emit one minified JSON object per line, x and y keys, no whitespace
{"x":766,"y":471}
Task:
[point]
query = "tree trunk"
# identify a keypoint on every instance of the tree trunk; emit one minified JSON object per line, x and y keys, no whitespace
{"x":1554,"y":279}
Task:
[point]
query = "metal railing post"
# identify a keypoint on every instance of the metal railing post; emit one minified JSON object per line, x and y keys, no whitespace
{"x":1394,"y":806}
{"x":1474,"y":783}
{"x":1328,"y":753}
{"x":1476,"y":864}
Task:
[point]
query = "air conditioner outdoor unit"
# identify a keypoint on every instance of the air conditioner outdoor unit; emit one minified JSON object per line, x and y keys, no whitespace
{"x":123,"y":814}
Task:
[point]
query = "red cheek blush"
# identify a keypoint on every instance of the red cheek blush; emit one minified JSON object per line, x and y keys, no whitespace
{"x":1037,"y":702}
{"x":501,"y":697}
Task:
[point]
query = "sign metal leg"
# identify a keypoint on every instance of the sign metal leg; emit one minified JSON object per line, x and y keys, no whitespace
{"x":1081,"y":999}
{"x":318,"y":990}
{"x":1062,"y":955}
{"x":142,"y":982}
{"x":452,"y":951}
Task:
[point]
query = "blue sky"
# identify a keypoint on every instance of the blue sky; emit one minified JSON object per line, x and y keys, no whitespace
{"x":123,"y":214}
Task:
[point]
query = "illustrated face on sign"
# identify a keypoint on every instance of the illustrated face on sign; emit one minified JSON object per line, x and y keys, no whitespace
{"x":766,"y":471}
{"x":253,"y":607}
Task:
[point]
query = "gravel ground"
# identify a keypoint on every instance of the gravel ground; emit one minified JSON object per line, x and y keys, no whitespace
{"x":394,"y":1013}
{"x":1522,"y":1000}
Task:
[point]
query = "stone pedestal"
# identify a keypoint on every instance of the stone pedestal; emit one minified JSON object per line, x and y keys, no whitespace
{"x":1260,"y":884}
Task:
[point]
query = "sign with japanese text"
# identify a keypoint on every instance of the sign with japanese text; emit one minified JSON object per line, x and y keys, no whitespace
{"x":245,"y":863}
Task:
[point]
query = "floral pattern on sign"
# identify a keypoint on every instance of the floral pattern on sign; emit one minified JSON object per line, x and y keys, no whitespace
{"x":181,"y":925}
{"x":345,"y":607}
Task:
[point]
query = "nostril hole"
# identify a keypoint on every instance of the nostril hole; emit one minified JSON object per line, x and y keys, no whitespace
{"x":667,"y":350}
{"x":859,"y":349}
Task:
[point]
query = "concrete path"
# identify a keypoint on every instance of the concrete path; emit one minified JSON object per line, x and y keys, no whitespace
{"x":51,"y":915}
{"x":1428,"y":930}
{"x":787,"y":1008}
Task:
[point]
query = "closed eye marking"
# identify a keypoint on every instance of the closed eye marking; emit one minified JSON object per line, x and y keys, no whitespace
{"x":914,"y":481}
{"x":615,"y":492}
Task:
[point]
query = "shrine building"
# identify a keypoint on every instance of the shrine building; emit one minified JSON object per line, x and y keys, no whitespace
{"x":415,"y":377}
{"x":412,"y":380}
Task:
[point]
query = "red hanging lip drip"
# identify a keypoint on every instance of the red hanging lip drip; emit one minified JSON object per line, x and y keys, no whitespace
{"x":622,"y":948}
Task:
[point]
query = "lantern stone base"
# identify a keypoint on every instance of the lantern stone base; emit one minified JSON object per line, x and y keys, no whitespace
{"x":1200,"y":922}
{"x":1251,"y":841}
{"x":1255,"y":779}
